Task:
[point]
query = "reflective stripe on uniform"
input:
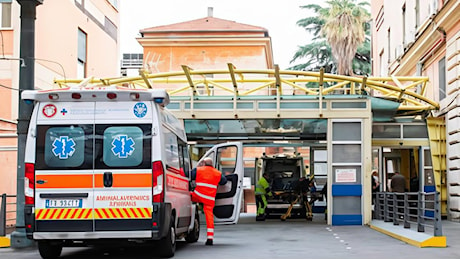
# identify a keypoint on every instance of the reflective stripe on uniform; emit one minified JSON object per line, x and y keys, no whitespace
{"x":210,"y":230}
{"x":204,"y":196}
{"x":206,"y":185}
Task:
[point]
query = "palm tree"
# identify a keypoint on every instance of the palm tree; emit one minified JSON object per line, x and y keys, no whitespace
{"x":339,"y":30}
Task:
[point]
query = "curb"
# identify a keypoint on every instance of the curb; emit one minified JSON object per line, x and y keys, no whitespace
{"x":409,"y":236}
{"x":5,"y":242}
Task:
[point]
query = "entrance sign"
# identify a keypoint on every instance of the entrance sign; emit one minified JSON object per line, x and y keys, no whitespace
{"x":345,"y":175}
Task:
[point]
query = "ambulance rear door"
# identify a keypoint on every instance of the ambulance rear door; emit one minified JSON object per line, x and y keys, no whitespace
{"x":63,"y":169}
{"x":228,"y":159}
{"x":123,"y":168}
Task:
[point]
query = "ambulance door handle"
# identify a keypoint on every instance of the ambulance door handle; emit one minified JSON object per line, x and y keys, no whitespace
{"x":108,"y":179}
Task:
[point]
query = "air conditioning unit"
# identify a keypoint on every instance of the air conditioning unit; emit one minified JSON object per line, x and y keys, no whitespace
{"x":399,"y":51}
{"x":410,"y":38}
{"x":433,"y":8}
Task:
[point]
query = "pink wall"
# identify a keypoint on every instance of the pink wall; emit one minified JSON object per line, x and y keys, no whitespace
{"x":56,"y":39}
{"x":56,"y":28}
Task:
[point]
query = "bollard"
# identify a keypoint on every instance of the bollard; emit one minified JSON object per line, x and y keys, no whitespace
{"x":406,"y":210}
{"x":421,"y":206}
{"x":4,"y":241}
{"x":437,"y":216}
{"x":3,"y":216}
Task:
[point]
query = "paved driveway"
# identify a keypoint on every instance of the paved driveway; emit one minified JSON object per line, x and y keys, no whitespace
{"x":292,"y":239}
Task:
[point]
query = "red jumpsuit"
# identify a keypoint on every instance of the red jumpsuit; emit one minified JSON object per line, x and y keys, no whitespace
{"x":207,"y":180}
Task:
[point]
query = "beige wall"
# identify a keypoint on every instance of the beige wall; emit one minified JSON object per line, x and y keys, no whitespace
{"x":390,"y":39}
{"x":437,"y":36}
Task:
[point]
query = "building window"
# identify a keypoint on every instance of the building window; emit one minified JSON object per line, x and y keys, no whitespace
{"x":81,"y":59}
{"x":5,"y":12}
{"x":114,"y":3}
{"x":383,"y":67}
{"x":404,"y":24}
{"x":442,"y":78}
{"x":389,"y":45}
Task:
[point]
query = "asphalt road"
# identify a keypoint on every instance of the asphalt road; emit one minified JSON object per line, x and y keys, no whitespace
{"x":274,"y":239}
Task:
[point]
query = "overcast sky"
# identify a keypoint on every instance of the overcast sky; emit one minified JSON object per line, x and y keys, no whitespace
{"x":278,"y":17}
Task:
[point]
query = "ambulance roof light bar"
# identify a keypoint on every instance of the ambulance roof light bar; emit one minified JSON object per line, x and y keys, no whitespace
{"x":159,"y":96}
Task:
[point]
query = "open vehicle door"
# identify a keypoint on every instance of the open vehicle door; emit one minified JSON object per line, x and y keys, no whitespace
{"x":228,"y":159}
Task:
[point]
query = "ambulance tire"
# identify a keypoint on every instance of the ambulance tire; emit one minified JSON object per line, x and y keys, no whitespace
{"x":167,"y":244}
{"x":49,"y":250}
{"x":194,"y":234}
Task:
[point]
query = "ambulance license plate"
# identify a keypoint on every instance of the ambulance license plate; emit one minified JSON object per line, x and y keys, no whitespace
{"x":65,"y":203}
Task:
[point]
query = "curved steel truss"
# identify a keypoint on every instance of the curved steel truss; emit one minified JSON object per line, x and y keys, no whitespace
{"x":410,"y":92}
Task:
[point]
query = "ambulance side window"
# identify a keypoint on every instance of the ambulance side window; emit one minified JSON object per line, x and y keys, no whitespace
{"x":184,"y":158}
{"x":122,"y":146}
{"x":226,"y":159}
{"x":64,"y":147}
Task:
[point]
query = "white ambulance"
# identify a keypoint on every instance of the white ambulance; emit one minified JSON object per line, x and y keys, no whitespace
{"x":111,"y":165}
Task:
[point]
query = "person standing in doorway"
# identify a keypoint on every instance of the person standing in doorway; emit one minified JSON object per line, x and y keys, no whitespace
{"x":207,"y":179}
{"x":375,"y":185}
{"x":398,"y":183}
{"x":262,"y":190}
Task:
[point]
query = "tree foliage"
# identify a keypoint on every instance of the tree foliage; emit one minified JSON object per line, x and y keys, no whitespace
{"x":341,"y":38}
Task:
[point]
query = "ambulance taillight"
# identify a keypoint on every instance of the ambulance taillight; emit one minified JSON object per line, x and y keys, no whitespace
{"x":53,"y":96}
{"x":29,"y":183}
{"x":111,"y":95}
{"x":76,"y":95}
{"x":158,"y":185}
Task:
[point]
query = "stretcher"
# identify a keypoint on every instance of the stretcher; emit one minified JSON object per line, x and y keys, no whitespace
{"x":304,"y":201}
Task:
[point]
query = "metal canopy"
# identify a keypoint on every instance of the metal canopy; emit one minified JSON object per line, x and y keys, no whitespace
{"x":391,"y":96}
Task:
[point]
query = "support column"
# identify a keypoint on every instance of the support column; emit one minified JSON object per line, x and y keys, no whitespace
{"x":26,"y":82}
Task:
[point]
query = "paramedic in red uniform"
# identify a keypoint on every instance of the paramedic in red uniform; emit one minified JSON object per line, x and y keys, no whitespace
{"x":207,"y":179}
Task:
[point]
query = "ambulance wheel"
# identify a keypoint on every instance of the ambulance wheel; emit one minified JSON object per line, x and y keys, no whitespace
{"x":194,"y":234}
{"x":49,"y":250}
{"x":167,"y":245}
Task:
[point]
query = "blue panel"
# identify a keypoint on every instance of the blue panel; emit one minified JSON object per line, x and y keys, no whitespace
{"x":245,"y":105}
{"x":299,"y":105}
{"x":173,"y":106}
{"x":267,"y":105}
{"x":429,"y":213}
{"x":347,"y":190}
{"x":347,"y":220}
{"x":429,"y":188}
{"x":318,"y":209}
{"x":336,"y":105}
{"x":220,"y":105}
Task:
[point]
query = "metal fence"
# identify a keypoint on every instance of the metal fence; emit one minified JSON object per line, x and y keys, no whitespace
{"x":419,"y":208}
{"x":7,"y":213}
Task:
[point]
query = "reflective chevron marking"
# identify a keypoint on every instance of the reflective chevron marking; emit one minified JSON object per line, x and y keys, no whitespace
{"x":100,"y":213}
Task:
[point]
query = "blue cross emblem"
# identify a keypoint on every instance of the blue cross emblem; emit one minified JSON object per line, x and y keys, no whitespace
{"x":63,"y":147}
{"x":122,"y":146}
{"x":63,"y":111}
{"x":140,"y":109}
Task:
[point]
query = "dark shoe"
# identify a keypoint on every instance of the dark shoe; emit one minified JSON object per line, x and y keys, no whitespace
{"x":260,"y":218}
{"x":209,"y":242}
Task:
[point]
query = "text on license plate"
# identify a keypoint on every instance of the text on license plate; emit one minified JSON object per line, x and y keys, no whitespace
{"x":65,"y":203}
